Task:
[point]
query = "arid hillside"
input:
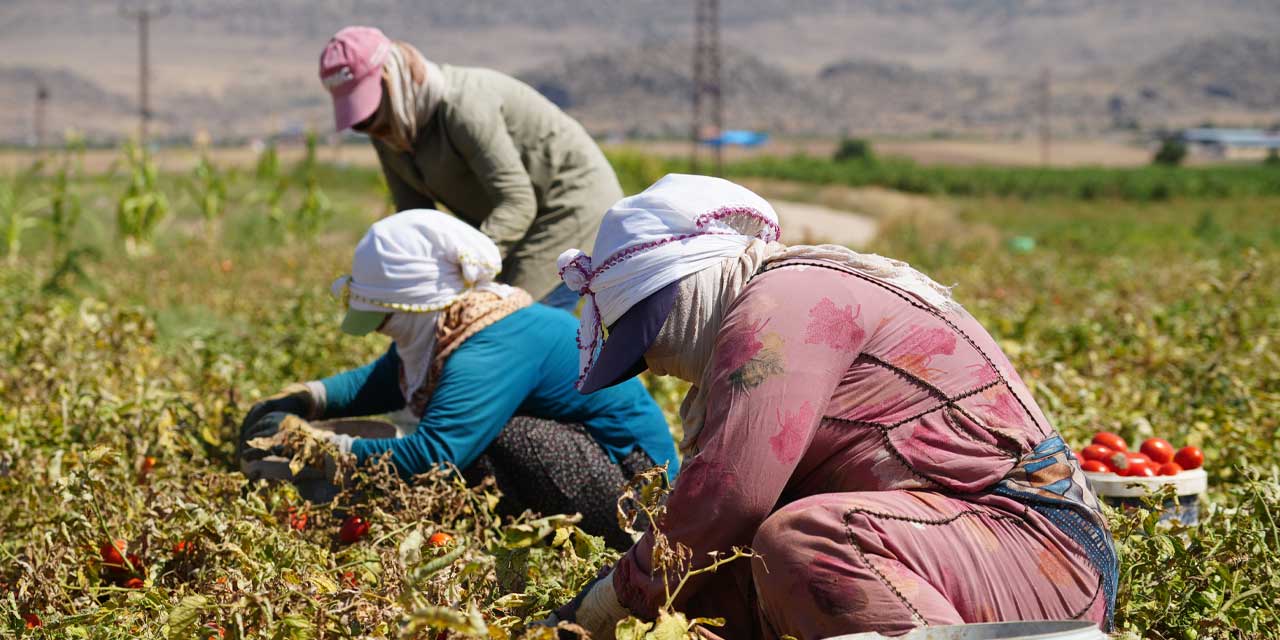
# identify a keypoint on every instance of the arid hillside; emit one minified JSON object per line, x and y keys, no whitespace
{"x":810,"y":66}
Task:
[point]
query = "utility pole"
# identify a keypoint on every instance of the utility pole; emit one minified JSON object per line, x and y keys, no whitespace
{"x":1046,"y":109}
{"x":708,"y":108}
{"x":42,"y":106}
{"x":144,"y":12}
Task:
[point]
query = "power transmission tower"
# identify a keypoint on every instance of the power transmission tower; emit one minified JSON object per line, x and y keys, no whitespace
{"x":1046,"y":109}
{"x":706,"y":81}
{"x":42,"y":106}
{"x":144,"y":12}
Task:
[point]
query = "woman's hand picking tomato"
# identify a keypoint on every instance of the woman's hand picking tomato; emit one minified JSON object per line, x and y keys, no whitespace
{"x":1110,"y":441}
{"x":1158,"y":449}
{"x":1189,"y":458}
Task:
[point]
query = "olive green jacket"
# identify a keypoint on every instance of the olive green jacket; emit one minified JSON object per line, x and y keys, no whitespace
{"x":499,"y":155}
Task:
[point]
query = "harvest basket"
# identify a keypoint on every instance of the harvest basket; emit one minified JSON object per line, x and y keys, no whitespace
{"x":1121,"y":491}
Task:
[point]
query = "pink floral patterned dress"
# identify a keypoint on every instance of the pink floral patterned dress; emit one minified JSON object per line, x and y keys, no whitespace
{"x":887,"y":465}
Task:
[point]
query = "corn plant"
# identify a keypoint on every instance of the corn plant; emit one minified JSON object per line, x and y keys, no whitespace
{"x":207,"y":187}
{"x":268,"y":167}
{"x":16,"y":219}
{"x":143,"y":205}
{"x":314,"y":210}
{"x":16,"y":210}
{"x":64,"y":203}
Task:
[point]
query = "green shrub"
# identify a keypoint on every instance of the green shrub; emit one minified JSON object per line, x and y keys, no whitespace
{"x":853,"y":149}
{"x":1171,"y":153}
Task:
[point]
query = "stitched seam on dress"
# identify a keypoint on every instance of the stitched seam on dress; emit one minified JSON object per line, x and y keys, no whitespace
{"x":894,"y":425}
{"x":928,"y":385}
{"x":930,"y":311}
{"x":952,"y":400}
{"x":951,"y":422}
{"x":888,"y":445}
{"x":853,"y":542}
{"x":912,"y":378}
{"x":897,"y":455}
{"x":1096,"y":592}
{"x":925,"y":521}
{"x":1017,"y":455}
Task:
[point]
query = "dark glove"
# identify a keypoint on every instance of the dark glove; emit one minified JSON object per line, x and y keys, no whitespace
{"x":265,"y":427}
{"x":296,"y":399}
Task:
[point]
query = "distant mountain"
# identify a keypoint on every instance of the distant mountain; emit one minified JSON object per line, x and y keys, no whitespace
{"x":907,"y":67}
{"x":646,"y":91}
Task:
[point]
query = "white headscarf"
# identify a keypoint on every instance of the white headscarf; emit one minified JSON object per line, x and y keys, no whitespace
{"x":680,"y":225}
{"x":414,"y":264}
{"x":714,"y":235}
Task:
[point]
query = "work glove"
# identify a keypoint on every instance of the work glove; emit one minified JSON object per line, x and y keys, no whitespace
{"x":298,"y":399}
{"x":295,"y":451}
{"x":596,"y":609}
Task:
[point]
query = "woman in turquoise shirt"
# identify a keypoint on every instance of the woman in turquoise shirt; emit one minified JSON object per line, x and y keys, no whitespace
{"x":487,"y":376}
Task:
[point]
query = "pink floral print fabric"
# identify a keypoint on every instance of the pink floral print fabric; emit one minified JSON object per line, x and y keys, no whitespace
{"x":855,"y":437}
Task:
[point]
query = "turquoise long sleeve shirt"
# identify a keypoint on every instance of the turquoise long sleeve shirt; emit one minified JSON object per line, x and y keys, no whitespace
{"x":526,"y":364}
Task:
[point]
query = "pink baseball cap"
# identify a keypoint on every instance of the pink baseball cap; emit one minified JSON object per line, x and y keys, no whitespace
{"x":351,"y":69}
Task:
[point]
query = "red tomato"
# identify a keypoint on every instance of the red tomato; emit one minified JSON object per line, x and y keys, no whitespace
{"x":1110,"y":441}
{"x":132,"y":583}
{"x":353,"y":528}
{"x":32,"y":620}
{"x":1095,"y":466}
{"x":349,"y":579}
{"x":1096,"y":452}
{"x":148,"y":463}
{"x":1142,"y":471}
{"x":440,"y":539}
{"x":1169,"y":469}
{"x":1189,"y":458}
{"x":1127,"y":463}
{"x":1159,"y":450}
{"x":297,"y":519}
{"x":113,"y":553}
{"x":183,"y":547}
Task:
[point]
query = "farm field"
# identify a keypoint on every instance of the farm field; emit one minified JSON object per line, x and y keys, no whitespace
{"x":145,"y":308}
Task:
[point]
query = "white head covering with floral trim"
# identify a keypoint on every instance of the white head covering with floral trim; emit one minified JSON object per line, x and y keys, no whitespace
{"x":680,"y":225}
{"x":414,"y":264}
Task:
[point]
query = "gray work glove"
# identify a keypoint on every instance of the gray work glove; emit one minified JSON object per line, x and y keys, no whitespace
{"x":595,"y":608}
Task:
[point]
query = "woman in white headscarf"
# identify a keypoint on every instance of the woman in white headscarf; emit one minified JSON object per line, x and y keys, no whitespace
{"x":488,"y":147}
{"x":468,"y":354}
{"x":849,"y":422}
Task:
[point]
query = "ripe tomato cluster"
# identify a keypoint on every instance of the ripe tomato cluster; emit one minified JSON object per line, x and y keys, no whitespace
{"x":1109,"y":453}
{"x":120,"y":568}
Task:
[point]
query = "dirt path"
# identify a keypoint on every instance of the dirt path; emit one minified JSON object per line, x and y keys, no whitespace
{"x":807,"y":223}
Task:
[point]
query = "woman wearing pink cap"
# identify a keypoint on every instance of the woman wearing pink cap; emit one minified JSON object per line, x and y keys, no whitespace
{"x":488,"y":147}
{"x":850,"y":422}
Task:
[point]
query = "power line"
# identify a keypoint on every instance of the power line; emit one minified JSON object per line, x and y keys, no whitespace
{"x":41,"y":113}
{"x":706,"y":81}
{"x":144,"y":12}
{"x":1046,"y":111}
